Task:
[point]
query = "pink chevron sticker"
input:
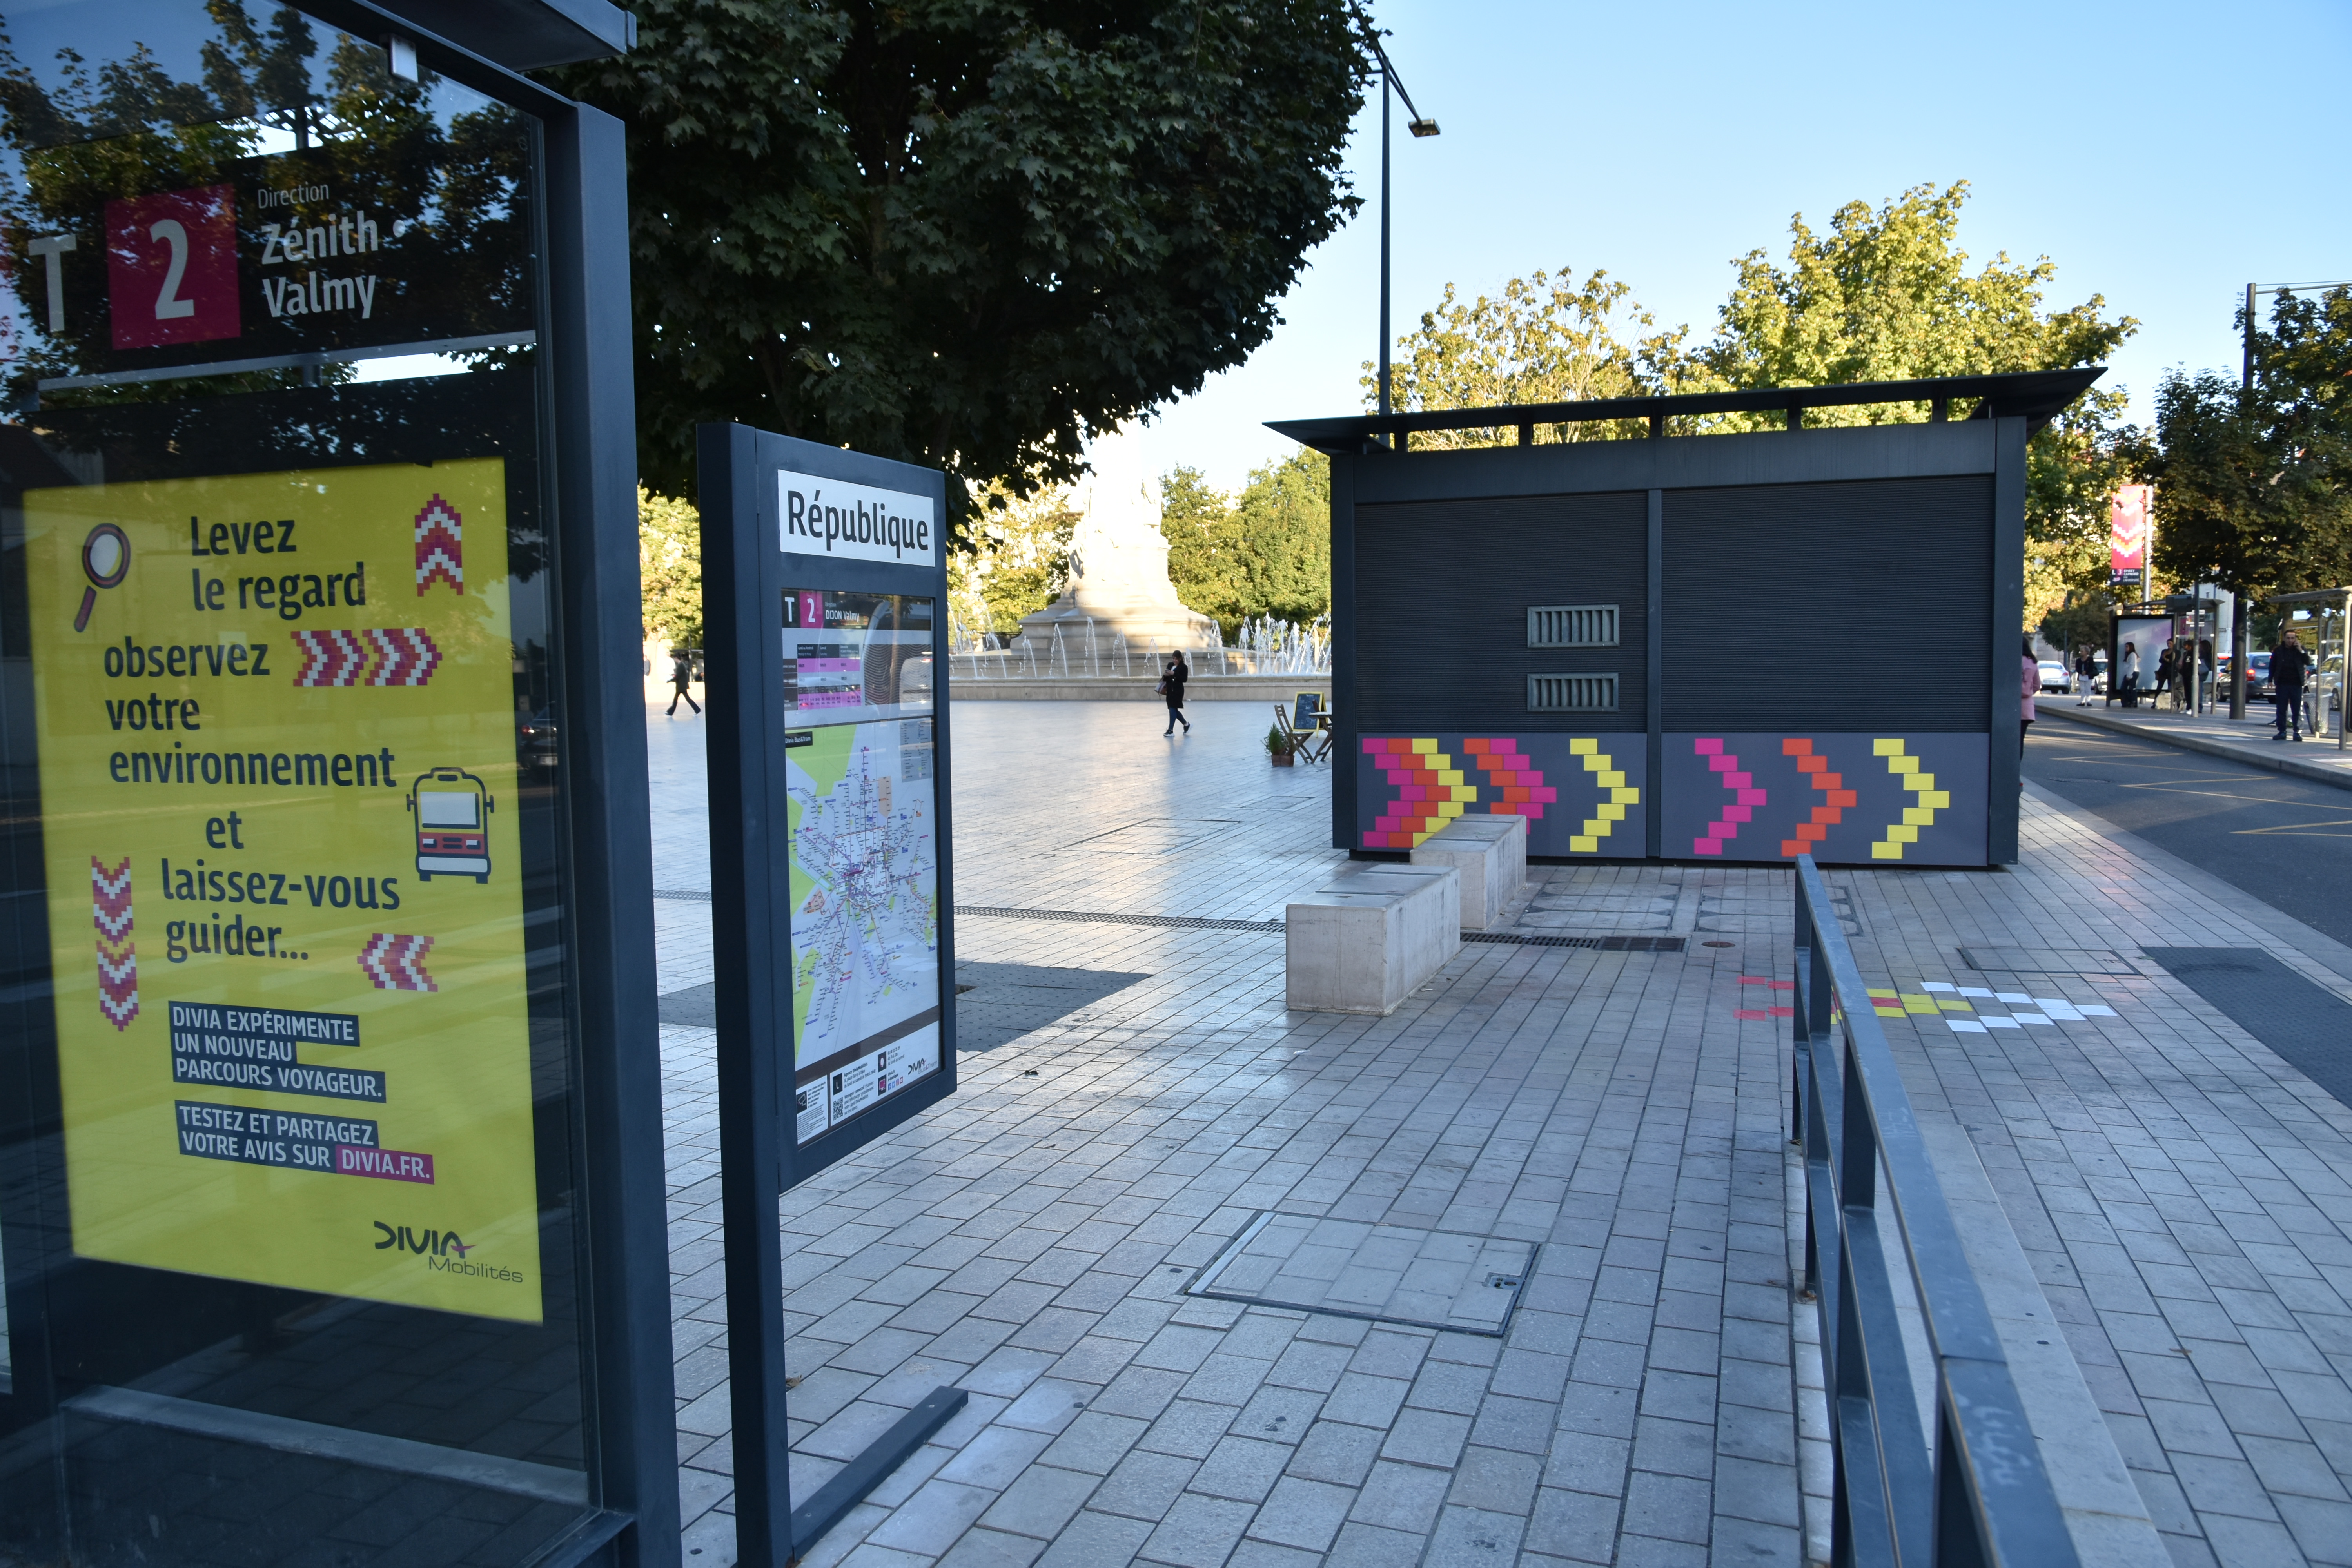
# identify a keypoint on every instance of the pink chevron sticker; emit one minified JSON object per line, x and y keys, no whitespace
{"x":117,"y":958}
{"x":1745,"y":796}
{"x":330,"y":657}
{"x":397,"y":963}
{"x":440,"y":549}
{"x":405,"y":656}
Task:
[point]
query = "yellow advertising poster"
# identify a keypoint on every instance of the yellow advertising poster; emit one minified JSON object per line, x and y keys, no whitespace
{"x":278,"y":749}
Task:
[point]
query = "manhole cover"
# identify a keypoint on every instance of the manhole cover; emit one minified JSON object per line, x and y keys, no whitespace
{"x":2049,"y":960}
{"x":1384,"y":1273}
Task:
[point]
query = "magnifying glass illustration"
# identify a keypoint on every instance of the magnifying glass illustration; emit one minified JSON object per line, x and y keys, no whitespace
{"x":105,"y":561}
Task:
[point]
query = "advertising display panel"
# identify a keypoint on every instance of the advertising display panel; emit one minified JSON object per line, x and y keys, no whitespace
{"x":288,"y":725}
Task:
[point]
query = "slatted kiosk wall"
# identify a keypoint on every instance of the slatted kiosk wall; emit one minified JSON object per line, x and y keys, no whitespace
{"x":1693,"y":647}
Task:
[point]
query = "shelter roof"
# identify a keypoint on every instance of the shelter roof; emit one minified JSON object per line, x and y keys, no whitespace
{"x":2037,"y":395}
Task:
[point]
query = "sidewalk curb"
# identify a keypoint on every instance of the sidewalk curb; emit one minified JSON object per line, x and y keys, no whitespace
{"x":2341,"y":778}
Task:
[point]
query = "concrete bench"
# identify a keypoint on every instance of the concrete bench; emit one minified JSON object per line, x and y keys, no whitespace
{"x":1491,"y":853}
{"x":1366,"y":939}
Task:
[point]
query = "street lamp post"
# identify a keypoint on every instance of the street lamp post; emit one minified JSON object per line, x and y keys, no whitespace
{"x":1419,"y":125}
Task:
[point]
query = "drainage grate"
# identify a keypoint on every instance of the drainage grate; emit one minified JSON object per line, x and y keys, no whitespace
{"x":2304,"y":1022}
{"x":1604,"y":944}
{"x":1381,"y":1273}
{"x":682,"y":895}
{"x":1179,"y":922}
{"x":2049,"y":960}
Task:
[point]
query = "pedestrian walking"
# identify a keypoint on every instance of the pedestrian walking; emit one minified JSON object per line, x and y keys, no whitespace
{"x":681,"y":675}
{"x":2029,"y":683}
{"x":2130,"y":675}
{"x":1171,"y":687}
{"x":2086,"y":677}
{"x":2289,"y":667}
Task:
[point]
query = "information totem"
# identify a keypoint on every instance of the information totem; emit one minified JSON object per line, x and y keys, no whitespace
{"x":825,"y":611}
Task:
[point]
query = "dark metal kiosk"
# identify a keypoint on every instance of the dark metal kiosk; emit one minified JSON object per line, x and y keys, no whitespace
{"x":1742,"y":647}
{"x":331,"y":1162}
{"x":830,"y":886}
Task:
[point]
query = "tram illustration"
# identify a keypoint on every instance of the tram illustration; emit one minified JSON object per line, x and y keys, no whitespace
{"x":451,"y":810}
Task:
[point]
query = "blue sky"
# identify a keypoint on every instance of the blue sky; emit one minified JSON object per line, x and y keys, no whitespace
{"x":2162,"y":156}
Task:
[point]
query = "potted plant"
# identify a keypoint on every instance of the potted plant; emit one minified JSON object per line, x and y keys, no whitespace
{"x":1281,"y":746}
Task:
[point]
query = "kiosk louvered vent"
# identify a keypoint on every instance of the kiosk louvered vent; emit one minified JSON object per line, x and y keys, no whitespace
{"x":1571,"y":694}
{"x":1572,"y":626}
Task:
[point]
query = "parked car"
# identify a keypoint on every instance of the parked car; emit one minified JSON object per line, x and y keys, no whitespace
{"x":535,"y":737}
{"x":2258,"y":676}
{"x":2054,"y":676}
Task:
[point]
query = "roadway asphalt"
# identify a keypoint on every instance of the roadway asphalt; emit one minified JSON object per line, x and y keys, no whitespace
{"x":2286,"y":841}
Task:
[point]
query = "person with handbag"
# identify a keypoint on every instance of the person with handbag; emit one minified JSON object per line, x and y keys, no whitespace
{"x":1171,"y":687}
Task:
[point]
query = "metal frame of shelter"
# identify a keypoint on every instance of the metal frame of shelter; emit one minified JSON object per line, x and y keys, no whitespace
{"x":1374,"y":464}
{"x":2340,"y":600}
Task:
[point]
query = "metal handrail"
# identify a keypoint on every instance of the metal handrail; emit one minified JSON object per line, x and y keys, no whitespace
{"x":1983,"y":1497}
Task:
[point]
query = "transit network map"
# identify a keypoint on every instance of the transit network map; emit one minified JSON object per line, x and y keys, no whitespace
{"x":866,"y":918}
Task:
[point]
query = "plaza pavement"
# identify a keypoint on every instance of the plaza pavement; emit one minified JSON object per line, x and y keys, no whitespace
{"x":2174,"y":1188}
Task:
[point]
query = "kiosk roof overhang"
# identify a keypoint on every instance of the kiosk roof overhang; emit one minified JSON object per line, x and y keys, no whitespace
{"x":2036,"y":395}
{"x":525,"y":35}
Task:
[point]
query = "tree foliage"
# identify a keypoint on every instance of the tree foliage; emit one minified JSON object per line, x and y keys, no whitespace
{"x":1268,"y":552}
{"x":963,"y":233}
{"x":669,"y":568}
{"x":1884,"y":294}
{"x":1536,"y":341}
{"x":2251,"y":484}
{"x":1015,"y":559}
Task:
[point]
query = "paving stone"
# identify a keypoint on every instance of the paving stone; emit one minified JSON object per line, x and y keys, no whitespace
{"x":2174,"y":1186}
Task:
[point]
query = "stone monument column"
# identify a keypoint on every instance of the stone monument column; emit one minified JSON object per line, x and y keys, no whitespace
{"x":1118,"y":562}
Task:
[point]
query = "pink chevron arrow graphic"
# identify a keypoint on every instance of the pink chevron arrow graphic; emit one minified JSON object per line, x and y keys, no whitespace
{"x":397,"y":963}
{"x":440,"y":550}
{"x":404,"y":656}
{"x":117,"y":959}
{"x":330,"y":657}
{"x":1745,"y":796}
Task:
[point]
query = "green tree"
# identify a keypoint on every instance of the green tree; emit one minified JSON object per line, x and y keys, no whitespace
{"x":669,"y":568}
{"x":965,"y":232}
{"x":2251,"y":483}
{"x":1536,"y":341}
{"x":1015,"y":558}
{"x":1887,"y":295}
{"x":1265,"y":552}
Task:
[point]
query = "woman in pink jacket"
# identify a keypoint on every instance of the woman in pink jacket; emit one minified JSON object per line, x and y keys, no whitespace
{"x":2030,"y":682}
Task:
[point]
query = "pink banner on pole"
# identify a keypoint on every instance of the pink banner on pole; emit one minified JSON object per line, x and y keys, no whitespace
{"x":2127,"y":529}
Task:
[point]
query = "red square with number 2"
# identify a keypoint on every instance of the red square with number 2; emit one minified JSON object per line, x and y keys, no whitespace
{"x":171,"y":267}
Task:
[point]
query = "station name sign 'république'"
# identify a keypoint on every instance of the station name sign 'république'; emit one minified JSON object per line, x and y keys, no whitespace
{"x":826,"y":517}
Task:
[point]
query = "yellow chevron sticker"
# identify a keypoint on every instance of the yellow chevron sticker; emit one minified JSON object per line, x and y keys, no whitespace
{"x":1904,"y":766}
{"x":1612,"y":810}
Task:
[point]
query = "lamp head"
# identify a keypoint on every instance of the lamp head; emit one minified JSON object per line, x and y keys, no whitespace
{"x":1423,"y":127}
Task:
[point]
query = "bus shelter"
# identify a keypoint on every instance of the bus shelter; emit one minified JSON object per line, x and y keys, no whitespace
{"x":330,"y":1162}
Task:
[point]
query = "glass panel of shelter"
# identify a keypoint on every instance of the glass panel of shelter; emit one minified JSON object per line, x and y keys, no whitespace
{"x":287,"y":1137}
